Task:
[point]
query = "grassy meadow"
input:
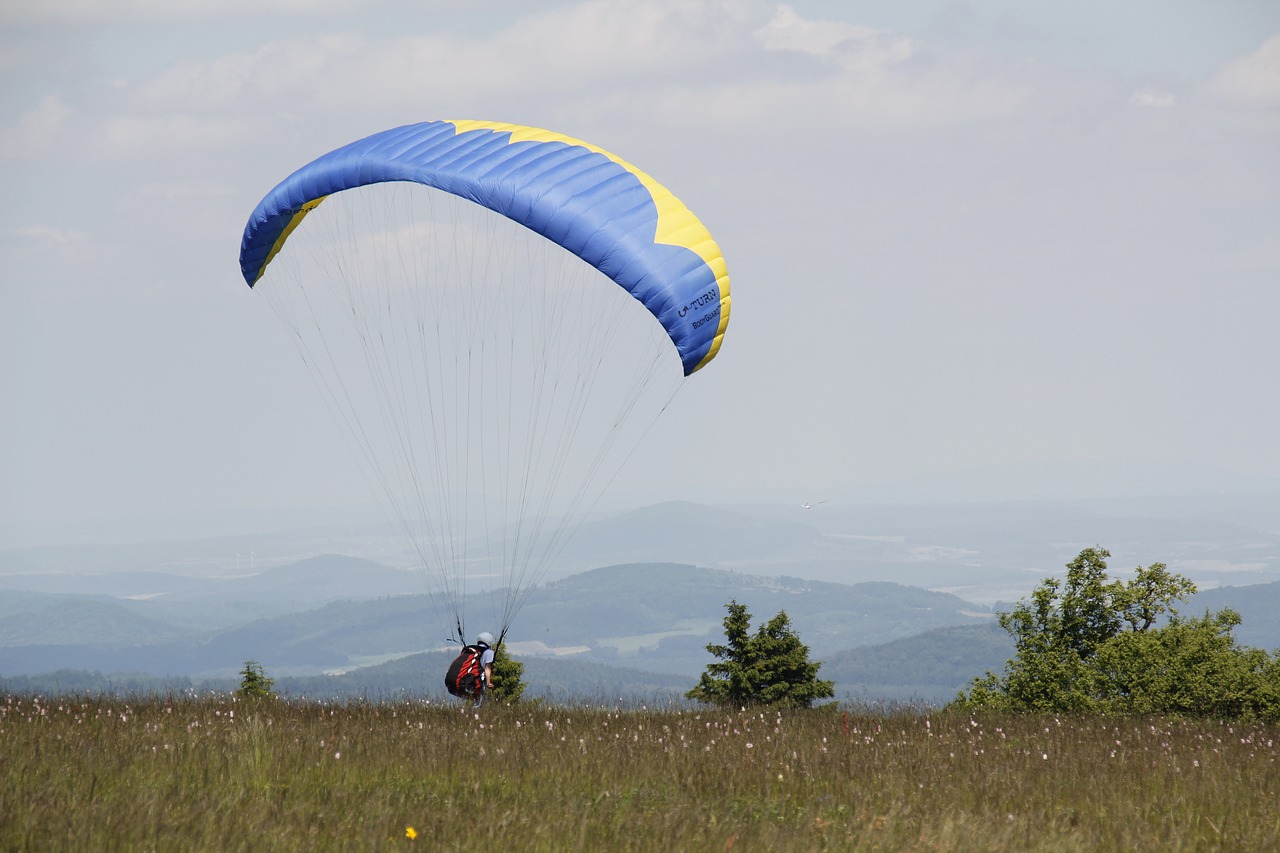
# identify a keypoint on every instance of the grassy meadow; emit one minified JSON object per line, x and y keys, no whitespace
{"x":221,"y":773}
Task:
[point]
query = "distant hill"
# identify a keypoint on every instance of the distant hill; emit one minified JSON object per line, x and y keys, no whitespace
{"x":636,"y":629}
{"x":652,"y":617}
{"x":210,"y":603}
{"x":1258,"y":606}
{"x":660,"y":617}
{"x":338,"y":635}
{"x":931,"y":667}
{"x":981,"y":552}
{"x":322,"y":578}
{"x":28,"y":618}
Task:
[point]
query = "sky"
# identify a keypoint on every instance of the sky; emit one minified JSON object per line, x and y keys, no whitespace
{"x":984,"y":250}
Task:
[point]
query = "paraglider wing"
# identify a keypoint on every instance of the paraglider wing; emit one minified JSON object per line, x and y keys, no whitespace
{"x":595,"y":205}
{"x":450,"y":287}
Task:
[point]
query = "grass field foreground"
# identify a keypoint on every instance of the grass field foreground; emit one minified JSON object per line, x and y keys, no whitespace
{"x":218,"y":773}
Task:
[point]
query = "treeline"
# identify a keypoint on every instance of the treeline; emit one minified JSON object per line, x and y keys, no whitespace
{"x":417,"y":676}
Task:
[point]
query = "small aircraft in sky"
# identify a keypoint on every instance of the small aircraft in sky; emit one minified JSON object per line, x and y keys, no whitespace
{"x":811,"y":505}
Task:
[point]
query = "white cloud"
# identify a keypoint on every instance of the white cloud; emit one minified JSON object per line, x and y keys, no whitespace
{"x":657,"y":62}
{"x":1150,"y":98}
{"x":45,"y":236}
{"x":35,"y":129}
{"x":198,"y":85}
{"x":788,"y":31}
{"x":97,"y":12}
{"x":577,"y":67}
{"x":872,"y":78}
{"x":279,"y":69}
{"x":1253,"y":79}
{"x":180,"y":134}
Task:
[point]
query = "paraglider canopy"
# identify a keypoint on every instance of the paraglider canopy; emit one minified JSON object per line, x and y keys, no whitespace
{"x":497,"y":314}
{"x":604,"y":210}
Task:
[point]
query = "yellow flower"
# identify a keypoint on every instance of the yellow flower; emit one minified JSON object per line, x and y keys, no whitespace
{"x":410,"y":832}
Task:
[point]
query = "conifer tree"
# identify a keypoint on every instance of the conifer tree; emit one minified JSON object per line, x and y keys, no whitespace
{"x":508,"y":674}
{"x":771,"y":668}
{"x":254,"y":683}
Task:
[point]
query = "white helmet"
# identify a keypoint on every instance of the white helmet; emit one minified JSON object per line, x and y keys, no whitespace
{"x":486,"y":638}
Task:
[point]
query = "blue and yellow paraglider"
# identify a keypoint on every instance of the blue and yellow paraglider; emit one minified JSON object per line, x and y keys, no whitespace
{"x":447,"y":283}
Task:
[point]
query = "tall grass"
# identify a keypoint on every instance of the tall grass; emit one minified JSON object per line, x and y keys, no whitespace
{"x":217,"y":773}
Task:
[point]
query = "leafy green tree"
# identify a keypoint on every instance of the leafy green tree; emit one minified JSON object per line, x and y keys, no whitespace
{"x":1089,"y":645}
{"x":1150,"y":594}
{"x":254,"y":682}
{"x":508,"y":674}
{"x":770,"y":668}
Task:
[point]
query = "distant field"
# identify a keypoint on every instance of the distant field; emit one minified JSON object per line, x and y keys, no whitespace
{"x":629,"y":645}
{"x":219,"y":774}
